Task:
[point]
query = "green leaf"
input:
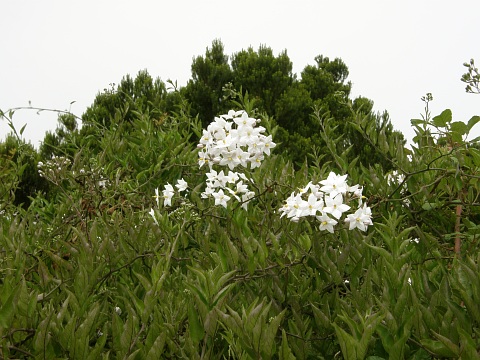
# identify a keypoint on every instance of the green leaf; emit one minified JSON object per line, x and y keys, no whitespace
{"x":223,"y":258}
{"x":437,"y":348}
{"x":99,"y":345}
{"x":371,"y":324}
{"x":285,"y":352}
{"x":448,"y":343}
{"x":459,"y":127}
{"x":382,"y":252}
{"x":472,"y":122}
{"x":347,"y":343}
{"x":117,"y":330}
{"x":475,"y":155}
{"x":269,"y":335}
{"x":468,"y":345}
{"x":23,"y":299}
{"x":221,"y":294}
{"x":42,"y":334}
{"x":134,"y":354}
{"x":196,"y":329}
{"x":417,"y":122}
{"x":23,"y":129}
{"x":7,"y":311}
{"x":85,"y":329}
{"x":127,"y":335}
{"x":321,"y":319}
{"x":385,"y":336}
{"x":156,"y":350}
{"x":63,"y":309}
{"x":429,"y":206}
{"x":442,"y":119}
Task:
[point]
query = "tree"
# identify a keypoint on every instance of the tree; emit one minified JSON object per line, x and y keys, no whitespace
{"x":209,"y":75}
{"x":263,"y":75}
{"x":59,"y":142}
{"x":20,"y":178}
{"x":131,"y":95}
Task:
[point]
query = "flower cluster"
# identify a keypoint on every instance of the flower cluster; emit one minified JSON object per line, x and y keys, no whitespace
{"x":223,"y":187}
{"x":55,"y":169}
{"x":169,"y":191}
{"x":326,"y":202}
{"x":167,"y":195}
{"x":232,"y":140}
{"x":395,"y":178}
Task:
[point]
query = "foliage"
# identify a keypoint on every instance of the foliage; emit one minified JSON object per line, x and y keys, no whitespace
{"x":276,"y":92}
{"x":18,"y":168}
{"x":209,"y":75}
{"x":263,"y":75}
{"x":88,"y":273}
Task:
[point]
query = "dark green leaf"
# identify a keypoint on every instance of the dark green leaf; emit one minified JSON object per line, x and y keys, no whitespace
{"x":7,"y":311}
{"x":23,"y":129}
{"x":472,"y":122}
{"x":442,"y":119}
{"x":196,"y":329}
{"x":459,"y":127}
{"x":437,"y":348}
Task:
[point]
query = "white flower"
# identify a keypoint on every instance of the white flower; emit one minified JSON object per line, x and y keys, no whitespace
{"x":181,"y":185}
{"x":305,"y":188}
{"x":395,"y":178}
{"x":229,"y":159}
{"x":202,"y":158}
{"x":334,"y":184}
{"x":233,"y":193}
{"x":242,"y":157}
{"x":101,"y":183}
{"x":208,"y":192}
{"x":314,"y":204}
{"x":152,"y":214}
{"x":157,"y":197}
{"x":360,"y":219}
{"x":246,"y":198}
{"x":268,"y":145}
{"x":241,"y":187}
{"x":207,"y":138}
{"x":244,"y":121}
{"x":335,"y":206}
{"x":232,"y":177}
{"x":326,"y":222}
{"x":221,"y":180}
{"x":167,"y":195}
{"x":356,"y":190}
{"x":299,"y":207}
{"x":256,"y":160}
{"x":221,"y":198}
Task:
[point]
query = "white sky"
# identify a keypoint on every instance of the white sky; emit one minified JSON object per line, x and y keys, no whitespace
{"x":53,"y":52}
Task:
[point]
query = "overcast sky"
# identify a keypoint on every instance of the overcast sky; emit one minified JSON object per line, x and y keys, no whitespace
{"x":54,"y":52}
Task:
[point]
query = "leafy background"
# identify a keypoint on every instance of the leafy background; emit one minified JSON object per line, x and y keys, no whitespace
{"x":86,"y":273}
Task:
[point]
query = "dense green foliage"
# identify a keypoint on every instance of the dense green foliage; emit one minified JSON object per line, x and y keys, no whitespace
{"x":268,"y":79}
{"x":86,"y":272}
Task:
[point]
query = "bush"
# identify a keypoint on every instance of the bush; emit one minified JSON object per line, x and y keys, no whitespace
{"x":111,"y":267}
